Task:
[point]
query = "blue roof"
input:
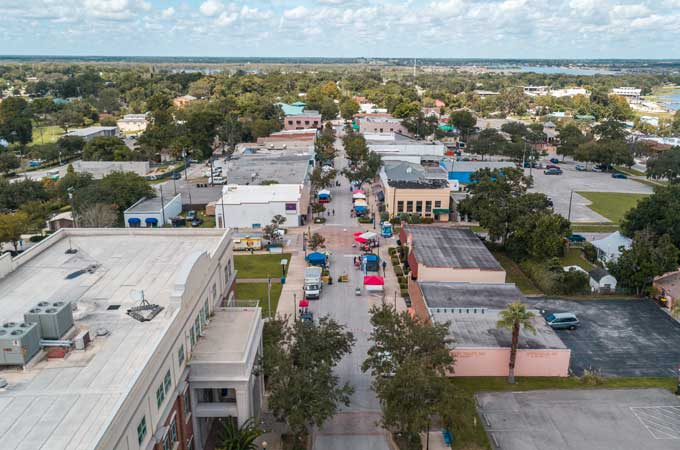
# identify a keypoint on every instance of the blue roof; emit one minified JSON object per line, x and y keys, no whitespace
{"x":292,"y":110}
{"x":371,"y":257}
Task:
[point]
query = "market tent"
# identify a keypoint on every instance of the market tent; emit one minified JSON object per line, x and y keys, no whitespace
{"x":374,"y":283}
{"x":369,"y":235}
{"x":358,"y":191}
{"x":304,"y":303}
{"x":360,"y":240}
{"x":359,"y":195}
{"x":374,"y":280}
{"x":317,"y":259}
{"x":325,"y":192}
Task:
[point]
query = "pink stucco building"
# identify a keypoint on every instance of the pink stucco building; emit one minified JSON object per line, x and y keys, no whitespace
{"x":303,"y":121}
{"x":482,"y":349}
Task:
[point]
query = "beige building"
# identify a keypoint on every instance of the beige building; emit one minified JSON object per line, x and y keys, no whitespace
{"x":413,"y":189}
{"x":181,"y":102}
{"x":132,"y":123}
{"x":449,"y":254}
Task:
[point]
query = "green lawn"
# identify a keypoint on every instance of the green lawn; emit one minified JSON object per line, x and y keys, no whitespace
{"x":515,"y":274}
{"x":258,"y":291}
{"x":594,"y":227}
{"x":468,"y":430}
{"x":612,"y":205}
{"x":259,"y":266}
{"x":629,"y":171}
{"x":46,"y":135}
{"x":572,"y":257}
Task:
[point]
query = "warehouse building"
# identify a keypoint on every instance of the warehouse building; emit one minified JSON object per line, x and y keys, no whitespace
{"x":126,"y":339}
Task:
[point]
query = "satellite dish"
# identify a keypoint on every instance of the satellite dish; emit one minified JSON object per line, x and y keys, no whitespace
{"x":137,"y":296}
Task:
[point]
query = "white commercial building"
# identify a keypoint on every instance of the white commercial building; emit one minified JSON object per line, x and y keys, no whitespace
{"x":132,"y":123}
{"x":631,"y":94}
{"x":150,"y":349}
{"x":569,"y":92}
{"x":93,"y":132}
{"x":414,"y":152}
{"x":153,"y":212}
{"x":254,"y":206}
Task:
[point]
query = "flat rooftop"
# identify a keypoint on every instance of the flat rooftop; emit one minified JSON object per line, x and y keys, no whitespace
{"x":457,"y":248}
{"x":68,"y":403}
{"x":150,"y":205}
{"x":469,"y":295}
{"x":575,"y":419}
{"x":479,"y":330}
{"x":241,"y":194}
{"x":228,"y":336}
{"x":282,"y":167}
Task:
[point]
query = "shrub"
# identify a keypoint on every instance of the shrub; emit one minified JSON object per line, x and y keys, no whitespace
{"x":365,"y":219}
{"x":36,"y":238}
{"x":591,"y":377}
{"x":395,"y":261}
{"x":427,"y":220}
{"x":589,"y":252}
{"x":397,"y":271}
{"x":407,"y":441}
{"x":392,"y":251}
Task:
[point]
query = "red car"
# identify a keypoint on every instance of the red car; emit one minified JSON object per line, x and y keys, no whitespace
{"x":552,"y":166}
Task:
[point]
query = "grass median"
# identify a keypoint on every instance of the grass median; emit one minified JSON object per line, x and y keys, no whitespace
{"x":258,"y":291}
{"x":260,"y":266}
{"x":612,"y":205}
{"x":515,"y":275}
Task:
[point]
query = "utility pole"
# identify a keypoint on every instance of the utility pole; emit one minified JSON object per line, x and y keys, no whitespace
{"x":571,"y":196}
{"x":269,"y":296}
{"x":160,"y":186}
{"x":295,"y":306}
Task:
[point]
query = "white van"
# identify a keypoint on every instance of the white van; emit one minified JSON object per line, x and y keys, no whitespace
{"x":218,"y":180}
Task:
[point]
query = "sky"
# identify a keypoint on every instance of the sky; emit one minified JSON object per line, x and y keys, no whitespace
{"x":551,"y":29}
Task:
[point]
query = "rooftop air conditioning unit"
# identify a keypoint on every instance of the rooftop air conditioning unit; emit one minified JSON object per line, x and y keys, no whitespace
{"x":53,"y":318}
{"x":19,"y":342}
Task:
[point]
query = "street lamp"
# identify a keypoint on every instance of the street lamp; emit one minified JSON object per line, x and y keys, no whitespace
{"x":264,"y":444}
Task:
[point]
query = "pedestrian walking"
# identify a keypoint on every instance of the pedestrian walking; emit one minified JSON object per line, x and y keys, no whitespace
{"x":384,"y":264}
{"x":333,"y":213}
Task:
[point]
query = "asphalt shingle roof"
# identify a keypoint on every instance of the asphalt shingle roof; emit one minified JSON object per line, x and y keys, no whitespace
{"x":469,"y":295}
{"x":457,"y":248}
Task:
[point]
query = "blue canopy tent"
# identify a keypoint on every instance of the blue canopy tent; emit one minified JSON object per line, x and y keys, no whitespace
{"x":370,"y":262}
{"x":317,"y":259}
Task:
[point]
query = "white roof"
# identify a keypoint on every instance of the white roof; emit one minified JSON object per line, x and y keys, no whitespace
{"x":89,"y":130}
{"x":244,"y":194}
{"x":69,"y":403}
{"x":434,"y":149}
{"x":610,"y":245}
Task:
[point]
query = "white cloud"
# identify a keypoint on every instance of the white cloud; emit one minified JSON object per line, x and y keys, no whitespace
{"x":447,"y":7}
{"x":629,"y":11}
{"x":226,"y":18}
{"x":296,"y":13}
{"x":168,"y":12}
{"x":211,"y":8}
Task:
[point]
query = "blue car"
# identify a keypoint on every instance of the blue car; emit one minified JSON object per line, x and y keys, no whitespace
{"x":619,"y":175}
{"x":554,"y":160}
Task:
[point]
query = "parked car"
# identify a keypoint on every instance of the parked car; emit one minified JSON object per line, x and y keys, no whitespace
{"x":191,"y":215}
{"x":561,"y":321}
{"x":196,"y":222}
{"x":554,"y":160}
{"x":553,"y":171}
{"x":581,"y":167}
{"x":528,"y":164}
{"x":552,"y":166}
{"x":176,"y":176}
{"x":178,"y":222}
{"x":619,"y":175}
{"x":218,"y":180}
{"x":576,"y":238}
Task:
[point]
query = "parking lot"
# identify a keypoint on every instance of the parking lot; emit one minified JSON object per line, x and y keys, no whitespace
{"x":621,"y":419}
{"x":625,"y":338}
{"x":559,"y":187}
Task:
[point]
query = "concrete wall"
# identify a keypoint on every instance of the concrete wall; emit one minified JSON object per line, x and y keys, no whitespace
{"x":100,"y":169}
{"x":493,"y":362}
{"x":371,"y":126}
{"x":6,"y":264}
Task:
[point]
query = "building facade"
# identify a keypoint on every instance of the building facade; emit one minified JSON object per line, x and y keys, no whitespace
{"x":153,"y":212}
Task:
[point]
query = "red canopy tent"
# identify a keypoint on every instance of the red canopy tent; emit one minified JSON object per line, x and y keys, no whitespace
{"x":358,"y":191}
{"x":304,"y":303}
{"x":374,"y":283}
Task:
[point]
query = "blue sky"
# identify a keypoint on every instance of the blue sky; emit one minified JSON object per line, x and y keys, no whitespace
{"x":344,"y":28}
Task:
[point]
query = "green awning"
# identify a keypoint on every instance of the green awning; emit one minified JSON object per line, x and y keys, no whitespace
{"x":441,"y":211}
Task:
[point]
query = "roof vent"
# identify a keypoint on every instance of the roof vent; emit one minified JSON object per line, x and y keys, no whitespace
{"x":10,"y":325}
{"x":101,"y":332}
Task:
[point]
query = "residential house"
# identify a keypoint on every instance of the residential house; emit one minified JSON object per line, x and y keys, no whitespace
{"x":602,"y":281}
{"x":183,"y":101}
{"x":609,"y":248}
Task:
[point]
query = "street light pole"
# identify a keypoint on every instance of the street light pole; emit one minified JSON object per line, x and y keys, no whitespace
{"x":571,"y":196}
{"x":295,"y":306}
{"x":269,"y":296}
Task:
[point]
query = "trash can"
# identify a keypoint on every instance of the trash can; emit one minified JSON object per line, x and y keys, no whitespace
{"x":283,"y":280}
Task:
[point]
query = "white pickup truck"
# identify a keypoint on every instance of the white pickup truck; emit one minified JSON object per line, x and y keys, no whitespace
{"x":313,"y":284}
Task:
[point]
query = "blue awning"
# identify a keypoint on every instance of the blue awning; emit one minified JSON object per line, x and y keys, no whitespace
{"x":316,"y":257}
{"x":132,"y":220}
{"x":151,"y":220}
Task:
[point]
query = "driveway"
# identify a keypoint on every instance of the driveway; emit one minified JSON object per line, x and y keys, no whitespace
{"x":616,"y":419}
{"x":559,"y":187}
{"x":625,"y":338}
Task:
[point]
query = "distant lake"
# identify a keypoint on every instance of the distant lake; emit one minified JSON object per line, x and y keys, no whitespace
{"x":672,"y":99}
{"x":565,"y":70}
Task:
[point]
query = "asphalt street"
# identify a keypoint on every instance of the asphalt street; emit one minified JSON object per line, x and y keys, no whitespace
{"x":356,"y":427}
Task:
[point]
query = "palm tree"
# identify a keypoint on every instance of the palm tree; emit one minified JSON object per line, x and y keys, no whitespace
{"x":675,"y":309}
{"x":514,"y":317}
{"x":233,"y":437}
